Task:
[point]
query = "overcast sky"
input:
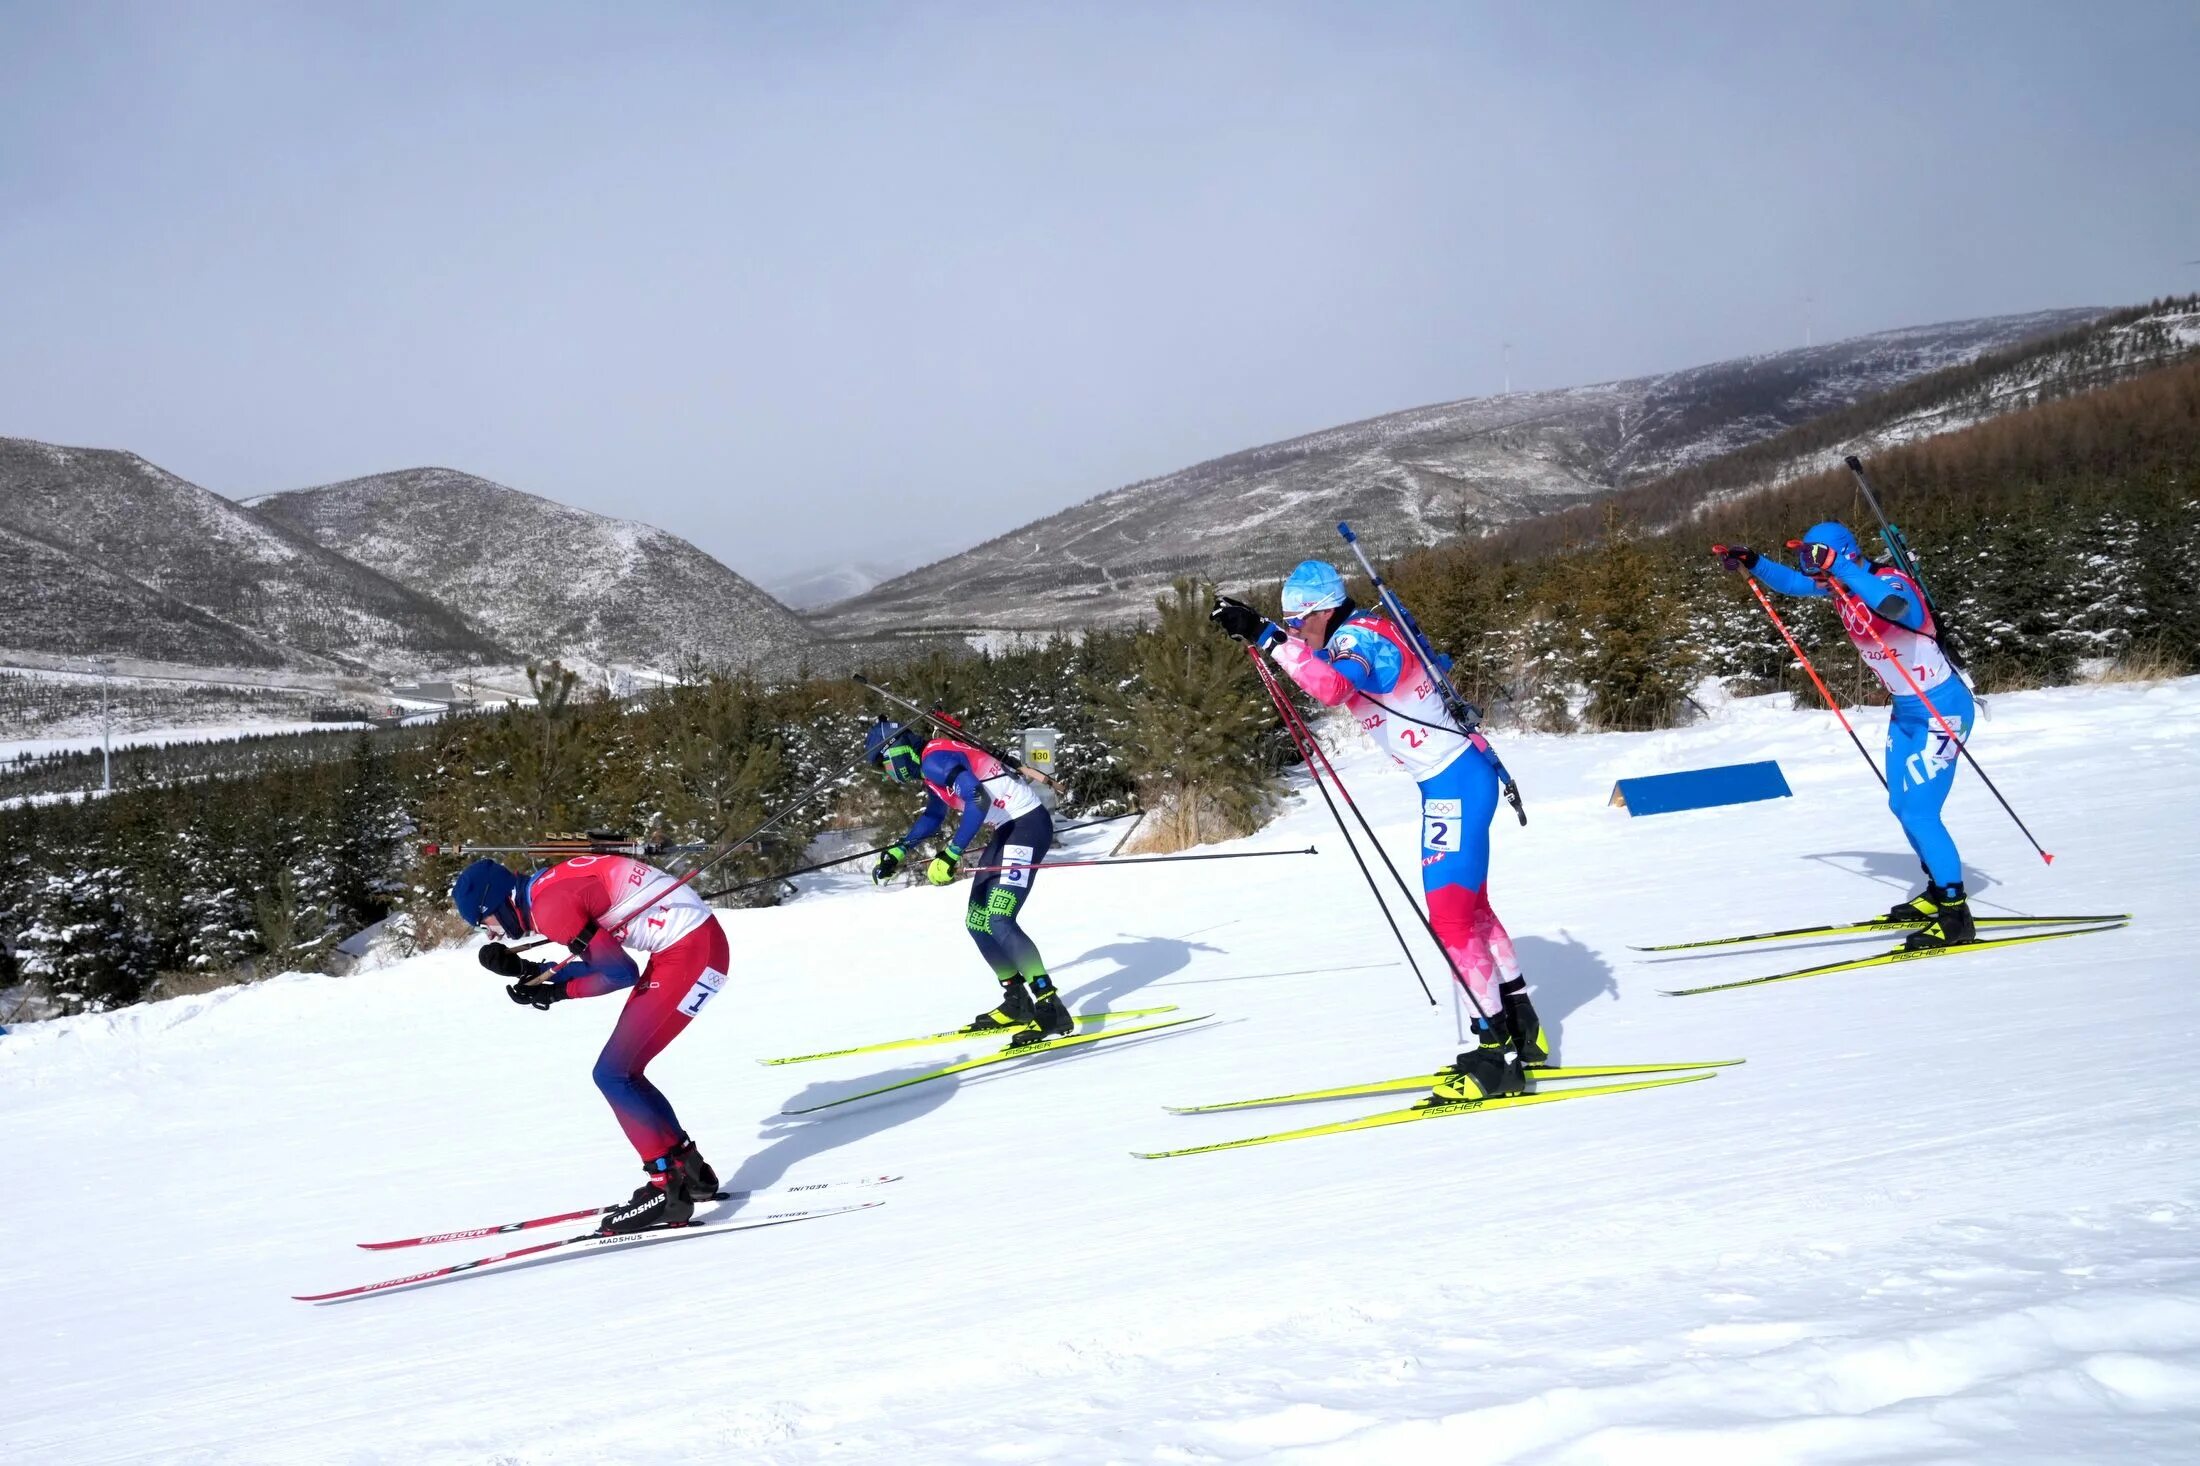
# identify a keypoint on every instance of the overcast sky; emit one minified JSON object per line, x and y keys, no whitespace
{"x":812,"y":282}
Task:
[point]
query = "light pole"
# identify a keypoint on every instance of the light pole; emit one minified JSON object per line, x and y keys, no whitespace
{"x":106,"y":665}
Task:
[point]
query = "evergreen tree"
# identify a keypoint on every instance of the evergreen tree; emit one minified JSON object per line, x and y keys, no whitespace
{"x":1189,"y":724}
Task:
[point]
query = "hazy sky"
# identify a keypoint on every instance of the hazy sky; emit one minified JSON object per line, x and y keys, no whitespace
{"x":816,"y":282}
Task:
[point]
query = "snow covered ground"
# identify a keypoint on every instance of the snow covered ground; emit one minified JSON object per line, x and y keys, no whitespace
{"x":1947,"y":1211}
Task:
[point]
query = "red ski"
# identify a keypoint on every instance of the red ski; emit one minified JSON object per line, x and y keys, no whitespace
{"x":467,"y":1235}
{"x":587,"y":1241}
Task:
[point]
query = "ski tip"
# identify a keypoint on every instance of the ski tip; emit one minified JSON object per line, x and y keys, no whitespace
{"x":2047,"y":857}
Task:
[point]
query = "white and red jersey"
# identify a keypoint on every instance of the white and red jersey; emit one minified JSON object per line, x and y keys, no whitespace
{"x":1007,"y":796}
{"x":1921,"y":655}
{"x":1370,"y":667}
{"x":640,"y":905}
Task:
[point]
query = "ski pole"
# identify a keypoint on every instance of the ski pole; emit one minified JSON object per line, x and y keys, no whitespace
{"x":1464,"y":713}
{"x":1009,"y":761}
{"x":979,"y":870}
{"x":642,"y":901}
{"x":1898,"y":546}
{"x":1404,"y":890}
{"x":1863,"y":616}
{"x":865,"y":855}
{"x":1295,"y":728}
{"x":1816,"y":680}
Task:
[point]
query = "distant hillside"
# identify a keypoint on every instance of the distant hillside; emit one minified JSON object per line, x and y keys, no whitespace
{"x":1407,"y":479}
{"x":547,"y":579}
{"x":2114,"y":348}
{"x":102,"y":553}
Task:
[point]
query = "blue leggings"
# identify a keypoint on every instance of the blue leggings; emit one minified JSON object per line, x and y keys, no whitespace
{"x":1921,"y":769}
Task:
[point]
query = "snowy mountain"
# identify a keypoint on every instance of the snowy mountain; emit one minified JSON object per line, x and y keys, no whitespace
{"x":545,"y":578}
{"x":1944,"y":1212}
{"x":102,"y":553}
{"x":816,"y":589}
{"x":1409,"y":478}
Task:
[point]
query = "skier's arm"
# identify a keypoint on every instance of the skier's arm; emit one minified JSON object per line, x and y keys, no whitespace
{"x":1317,"y":678}
{"x":935,"y":815}
{"x":1883,"y":594}
{"x":1366,"y":659}
{"x":974,"y":803}
{"x":606,"y":969}
{"x":1775,"y":576}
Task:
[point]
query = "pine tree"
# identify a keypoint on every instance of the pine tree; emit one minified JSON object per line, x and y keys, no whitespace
{"x":1188,"y":725}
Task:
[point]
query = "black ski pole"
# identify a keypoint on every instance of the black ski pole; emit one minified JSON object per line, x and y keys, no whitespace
{"x":1898,"y":546}
{"x":979,"y":870}
{"x":1292,"y":726}
{"x":1404,"y":890}
{"x":1464,"y":713}
{"x":1009,"y":761}
{"x":879,"y":850}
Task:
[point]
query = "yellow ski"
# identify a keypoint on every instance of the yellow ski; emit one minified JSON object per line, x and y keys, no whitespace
{"x":1427,"y":1110}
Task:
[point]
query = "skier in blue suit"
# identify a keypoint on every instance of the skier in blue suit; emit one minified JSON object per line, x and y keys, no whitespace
{"x":1887,"y":618}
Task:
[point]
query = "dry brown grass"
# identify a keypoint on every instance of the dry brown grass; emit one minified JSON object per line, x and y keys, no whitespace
{"x":1175,"y":823}
{"x":2148,"y":659}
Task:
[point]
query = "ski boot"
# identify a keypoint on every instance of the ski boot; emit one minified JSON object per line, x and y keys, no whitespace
{"x":1916,"y":911}
{"x":1951,"y":924}
{"x":1014,"y":1012}
{"x":702,"y":1181}
{"x":1527,"y":1029}
{"x":1049,"y":1019}
{"x":661,"y":1201}
{"x":1489,"y":1070}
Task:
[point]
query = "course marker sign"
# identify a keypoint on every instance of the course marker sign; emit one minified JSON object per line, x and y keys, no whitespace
{"x":1701,"y":788}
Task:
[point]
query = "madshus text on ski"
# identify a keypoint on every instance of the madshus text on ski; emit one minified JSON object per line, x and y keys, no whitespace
{"x":599,"y":900}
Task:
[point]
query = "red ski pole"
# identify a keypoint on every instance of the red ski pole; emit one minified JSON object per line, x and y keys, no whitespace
{"x":1816,"y":680}
{"x":1843,"y":599}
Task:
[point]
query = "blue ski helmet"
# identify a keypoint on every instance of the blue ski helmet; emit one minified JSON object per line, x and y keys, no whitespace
{"x":894,"y":747}
{"x":1823,"y":544}
{"x":1312,"y":585}
{"x":485,"y":889}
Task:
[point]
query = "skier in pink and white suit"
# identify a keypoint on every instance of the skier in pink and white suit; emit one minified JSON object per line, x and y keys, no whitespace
{"x":1344,"y":656}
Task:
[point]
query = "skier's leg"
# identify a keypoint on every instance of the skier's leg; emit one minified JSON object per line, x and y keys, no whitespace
{"x":1921,"y":770}
{"x":1024,"y":841}
{"x":1456,"y":806}
{"x":673,"y":989}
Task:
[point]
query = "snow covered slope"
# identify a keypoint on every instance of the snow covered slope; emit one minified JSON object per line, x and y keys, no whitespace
{"x":1406,"y":479}
{"x":1945,"y":1212}
{"x":102,"y":553}
{"x":547,"y":578}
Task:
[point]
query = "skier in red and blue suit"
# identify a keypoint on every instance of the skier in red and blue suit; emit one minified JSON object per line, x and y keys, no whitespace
{"x":1887,"y":616}
{"x":1342,"y":655}
{"x":597,"y":906}
{"x":983,"y":794}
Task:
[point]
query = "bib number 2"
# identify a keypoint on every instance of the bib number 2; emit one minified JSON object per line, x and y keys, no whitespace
{"x":1440,"y":825}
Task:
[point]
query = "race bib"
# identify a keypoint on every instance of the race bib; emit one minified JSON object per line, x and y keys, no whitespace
{"x":1440,"y":825}
{"x":706,"y":987}
{"x":1016,"y":855}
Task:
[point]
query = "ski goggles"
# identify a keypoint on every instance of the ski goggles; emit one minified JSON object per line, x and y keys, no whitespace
{"x":902,"y":763}
{"x":1815,"y":558}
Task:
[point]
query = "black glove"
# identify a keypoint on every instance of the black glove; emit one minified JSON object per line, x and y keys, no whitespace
{"x":888,"y":863}
{"x":537,"y":994}
{"x":1241,"y":622}
{"x":1735,"y":557}
{"x":505,"y":962}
